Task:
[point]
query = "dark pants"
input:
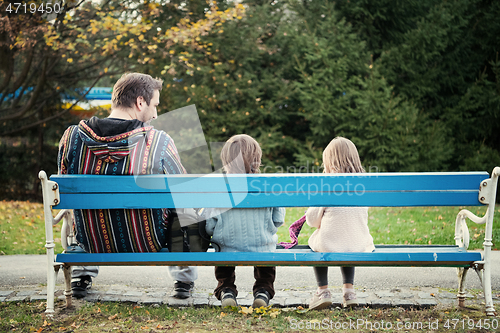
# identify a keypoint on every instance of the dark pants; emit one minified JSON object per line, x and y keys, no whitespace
{"x":322,"y":275}
{"x":264,"y":279}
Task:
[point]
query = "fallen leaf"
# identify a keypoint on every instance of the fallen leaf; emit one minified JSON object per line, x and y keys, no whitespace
{"x":244,"y":310}
{"x":113,"y":316}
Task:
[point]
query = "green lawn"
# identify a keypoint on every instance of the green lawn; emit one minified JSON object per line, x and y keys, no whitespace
{"x":410,"y":225}
{"x":22,"y":226}
{"x":430,"y":225}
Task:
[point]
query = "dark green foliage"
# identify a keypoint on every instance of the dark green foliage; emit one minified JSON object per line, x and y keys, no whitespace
{"x":296,"y":76}
{"x":19,"y":166}
{"x":242,"y":88}
{"x":345,"y":95}
{"x":442,"y":56}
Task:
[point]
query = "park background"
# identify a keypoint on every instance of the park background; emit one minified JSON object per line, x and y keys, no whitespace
{"x":414,"y":84}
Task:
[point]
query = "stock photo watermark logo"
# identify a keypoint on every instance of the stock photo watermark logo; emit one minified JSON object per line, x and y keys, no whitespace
{"x":202,"y":160}
{"x":301,"y":187}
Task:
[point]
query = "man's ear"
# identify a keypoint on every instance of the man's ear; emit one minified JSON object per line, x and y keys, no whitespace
{"x":140,"y":103}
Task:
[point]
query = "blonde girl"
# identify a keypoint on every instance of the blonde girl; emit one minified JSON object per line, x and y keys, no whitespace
{"x":339,"y":229}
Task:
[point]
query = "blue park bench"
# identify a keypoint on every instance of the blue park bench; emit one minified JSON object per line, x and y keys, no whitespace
{"x":65,"y":192}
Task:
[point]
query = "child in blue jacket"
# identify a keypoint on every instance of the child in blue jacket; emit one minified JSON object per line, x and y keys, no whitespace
{"x":244,"y":229}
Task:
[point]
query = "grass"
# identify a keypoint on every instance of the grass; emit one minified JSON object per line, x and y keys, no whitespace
{"x":410,"y":225}
{"x":22,"y":228}
{"x":118,"y":317}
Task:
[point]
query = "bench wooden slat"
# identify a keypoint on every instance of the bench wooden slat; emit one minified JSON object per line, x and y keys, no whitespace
{"x":434,"y":256}
{"x":223,"y":200}
{"x":247,"y":191}
{"x":262,"y":183}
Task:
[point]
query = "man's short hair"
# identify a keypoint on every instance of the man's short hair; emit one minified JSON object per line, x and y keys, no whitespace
{"x":132,"y":85}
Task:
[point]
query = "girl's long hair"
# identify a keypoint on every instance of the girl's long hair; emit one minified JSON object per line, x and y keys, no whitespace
{"x":341,"y":156}
{"x":241,"y":154}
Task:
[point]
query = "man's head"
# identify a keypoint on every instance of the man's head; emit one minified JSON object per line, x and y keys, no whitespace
{"x":137,"y":91}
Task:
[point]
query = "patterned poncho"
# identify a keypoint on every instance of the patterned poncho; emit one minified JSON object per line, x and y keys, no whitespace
{"x":142,"y":150}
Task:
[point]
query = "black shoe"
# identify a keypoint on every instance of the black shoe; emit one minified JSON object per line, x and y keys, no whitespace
{"x":80,"y":286}
{"x":228,"y":298}
{"x":182,"y":289}
{"x":261,"y":298}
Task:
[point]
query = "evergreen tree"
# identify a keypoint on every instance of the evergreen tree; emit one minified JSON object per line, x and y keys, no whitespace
{"x":441,"y":56}
{"x":295,"y":75}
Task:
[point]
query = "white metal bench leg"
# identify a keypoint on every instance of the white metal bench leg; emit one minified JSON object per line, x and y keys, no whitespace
{"x":488,"y":299}
{"x":67,"y":278}
{"x":462,"y":273}
{"x":51,"y":287}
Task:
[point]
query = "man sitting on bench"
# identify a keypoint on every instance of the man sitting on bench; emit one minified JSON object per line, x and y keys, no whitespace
{"x":122,"y":144}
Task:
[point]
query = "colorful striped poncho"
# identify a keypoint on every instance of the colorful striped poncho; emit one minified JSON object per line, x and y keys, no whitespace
{"x":142,"y":150}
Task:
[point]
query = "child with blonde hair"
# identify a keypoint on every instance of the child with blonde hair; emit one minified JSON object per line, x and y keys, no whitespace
{"x":244,"y":229}
{"x":339,"y":229}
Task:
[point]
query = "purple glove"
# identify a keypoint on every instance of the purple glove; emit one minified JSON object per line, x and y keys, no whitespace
{"x":294,"y":231}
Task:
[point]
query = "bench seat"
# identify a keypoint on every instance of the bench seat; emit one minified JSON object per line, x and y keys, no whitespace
{"x":391,"y":255}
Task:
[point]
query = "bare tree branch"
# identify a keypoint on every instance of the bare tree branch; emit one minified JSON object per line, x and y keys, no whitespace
{"x":7,"y":58}
{"x":32,"y":99}
{"x":25,"y":71}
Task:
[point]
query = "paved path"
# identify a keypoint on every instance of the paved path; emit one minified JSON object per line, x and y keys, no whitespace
{"x":23,"y":277}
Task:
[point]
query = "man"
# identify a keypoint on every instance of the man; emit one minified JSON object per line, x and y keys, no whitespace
{"x":122,"y":144}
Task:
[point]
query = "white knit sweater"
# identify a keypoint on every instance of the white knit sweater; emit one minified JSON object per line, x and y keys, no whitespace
{"x":340,"y":229}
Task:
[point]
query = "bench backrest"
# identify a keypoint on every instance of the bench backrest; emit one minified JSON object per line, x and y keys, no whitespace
{"x":269,"y":190}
